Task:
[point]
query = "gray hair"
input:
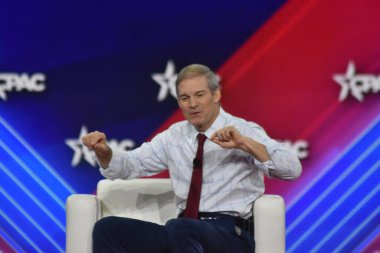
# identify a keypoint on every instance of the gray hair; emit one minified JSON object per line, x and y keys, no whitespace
{"x":194,"y":70}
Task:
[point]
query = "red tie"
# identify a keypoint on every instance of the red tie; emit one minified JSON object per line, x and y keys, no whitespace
{"x":194,"y":196}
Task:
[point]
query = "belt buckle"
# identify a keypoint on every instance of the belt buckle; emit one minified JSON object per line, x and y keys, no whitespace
{"x":208,"y":218}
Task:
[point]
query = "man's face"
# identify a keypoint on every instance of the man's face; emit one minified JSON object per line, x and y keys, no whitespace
{"x":198,"y":104}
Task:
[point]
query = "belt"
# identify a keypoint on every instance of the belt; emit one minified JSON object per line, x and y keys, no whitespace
{"x":246,"y":224}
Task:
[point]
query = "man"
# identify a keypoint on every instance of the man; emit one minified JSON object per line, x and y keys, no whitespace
{"x":221,"y":182}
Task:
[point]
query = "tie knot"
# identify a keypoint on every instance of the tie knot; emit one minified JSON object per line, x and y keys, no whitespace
{"x":201,"y":138}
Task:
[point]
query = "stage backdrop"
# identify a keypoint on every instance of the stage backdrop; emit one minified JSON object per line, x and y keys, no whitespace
{"x":307,"y":71}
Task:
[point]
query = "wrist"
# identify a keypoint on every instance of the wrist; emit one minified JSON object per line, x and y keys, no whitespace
{"x":244,"y":144}
{"x":104,"y":156}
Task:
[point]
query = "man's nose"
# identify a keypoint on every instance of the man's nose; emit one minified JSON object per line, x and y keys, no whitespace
{"x":193,"y":103}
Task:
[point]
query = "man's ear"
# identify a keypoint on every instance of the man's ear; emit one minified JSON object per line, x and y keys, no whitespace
{"x":217,"y":96}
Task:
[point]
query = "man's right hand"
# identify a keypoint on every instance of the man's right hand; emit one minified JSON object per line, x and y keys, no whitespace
{"x":97,"y":141}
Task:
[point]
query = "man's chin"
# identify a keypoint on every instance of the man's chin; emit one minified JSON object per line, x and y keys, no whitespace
{"x":195,"y":123}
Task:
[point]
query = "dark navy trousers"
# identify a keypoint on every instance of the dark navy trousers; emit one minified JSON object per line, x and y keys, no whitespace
{"x":181,"y":235}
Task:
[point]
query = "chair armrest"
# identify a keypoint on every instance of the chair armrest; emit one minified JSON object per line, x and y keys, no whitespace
{"x":82,"y":211}
{"x":269,"y":215}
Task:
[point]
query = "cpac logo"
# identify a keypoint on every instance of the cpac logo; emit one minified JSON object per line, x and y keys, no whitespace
{"x":19,"y":82}
{"x":300,"y":147}
{"x":81,"y":151}
{"x":358,"y":84}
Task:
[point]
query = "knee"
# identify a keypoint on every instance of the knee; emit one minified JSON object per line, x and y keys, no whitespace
{"x":104,"y":227}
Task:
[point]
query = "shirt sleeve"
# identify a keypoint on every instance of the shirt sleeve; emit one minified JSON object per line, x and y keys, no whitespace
{"x":283,"y":162}
{"x":146,"y":160}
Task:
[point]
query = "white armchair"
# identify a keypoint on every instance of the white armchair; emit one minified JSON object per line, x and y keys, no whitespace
{"x":153,"y":200}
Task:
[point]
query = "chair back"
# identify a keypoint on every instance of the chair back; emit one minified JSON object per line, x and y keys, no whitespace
{"x":145,"y":199}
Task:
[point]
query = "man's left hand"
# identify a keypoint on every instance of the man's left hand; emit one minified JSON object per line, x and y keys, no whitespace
{"x":228,"y":137}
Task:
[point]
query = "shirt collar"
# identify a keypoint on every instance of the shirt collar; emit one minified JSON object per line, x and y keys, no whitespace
{"x":216,"y":125}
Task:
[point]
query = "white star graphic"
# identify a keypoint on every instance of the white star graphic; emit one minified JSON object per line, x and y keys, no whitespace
{"x":344,"y":80}
{"x":166,"y":81}
{"x":80,"y":149}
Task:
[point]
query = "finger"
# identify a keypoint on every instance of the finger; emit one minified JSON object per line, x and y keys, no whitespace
{"x":96,"y":138}
{"x":93,"y":139}
{"x":223,"y":144}
{"x":234,"y":131}
{"x":224,"y":135}
{"x":84,"y":140}
{"x":228,"y":134}
{"x":215,"y":140}
{"x":217,"y":136}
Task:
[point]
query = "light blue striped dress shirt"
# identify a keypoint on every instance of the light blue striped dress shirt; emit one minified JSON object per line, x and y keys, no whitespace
{"x":232,"y":178}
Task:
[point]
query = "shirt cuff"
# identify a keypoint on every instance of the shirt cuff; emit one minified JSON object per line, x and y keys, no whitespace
{"x":114,"y":169}
{"x":264,"y":166}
